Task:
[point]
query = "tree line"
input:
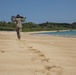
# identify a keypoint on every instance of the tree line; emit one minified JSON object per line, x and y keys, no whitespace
{"x":30,"y":26}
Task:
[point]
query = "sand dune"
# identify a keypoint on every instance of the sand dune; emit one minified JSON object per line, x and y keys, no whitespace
{"x":36,"y":55}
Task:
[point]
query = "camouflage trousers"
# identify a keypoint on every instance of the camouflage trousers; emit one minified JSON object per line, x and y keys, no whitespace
{"x":18,"y":30}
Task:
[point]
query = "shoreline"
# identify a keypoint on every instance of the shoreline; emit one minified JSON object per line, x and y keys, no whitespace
{"x":45,"y":33}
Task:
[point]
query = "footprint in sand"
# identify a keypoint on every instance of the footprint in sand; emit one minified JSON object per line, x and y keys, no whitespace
{"x":43,"y":58}
{"x":49,"y":70}
{"x":2,"y":51}
{"x":33,"y":50}
{"x":30,"y":47}
{"x":37,"y":55}
{"x":53,"y":70}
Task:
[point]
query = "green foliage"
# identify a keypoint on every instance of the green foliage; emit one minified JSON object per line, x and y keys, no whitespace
{"x":73,"y":25}
{"x":7,"y":29}
{"x":29,"y":26}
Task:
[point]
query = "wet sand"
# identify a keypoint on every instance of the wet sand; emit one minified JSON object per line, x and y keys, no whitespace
{"x":36,"y":55}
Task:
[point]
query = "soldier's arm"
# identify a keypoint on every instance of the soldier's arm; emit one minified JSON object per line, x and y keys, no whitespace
{"x":23,"y":19}
{"x":13,"y":19}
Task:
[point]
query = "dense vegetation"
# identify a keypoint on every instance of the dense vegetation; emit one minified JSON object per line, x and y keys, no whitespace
{"x":29,"y":26}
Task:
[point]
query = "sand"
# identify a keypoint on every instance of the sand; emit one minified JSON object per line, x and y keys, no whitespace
{"x":36,"y":55}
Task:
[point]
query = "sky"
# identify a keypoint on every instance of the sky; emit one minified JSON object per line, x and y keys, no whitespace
{"x":39,"y":11}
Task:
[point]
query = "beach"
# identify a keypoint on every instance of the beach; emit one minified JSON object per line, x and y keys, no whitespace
{"x":36,"y":55}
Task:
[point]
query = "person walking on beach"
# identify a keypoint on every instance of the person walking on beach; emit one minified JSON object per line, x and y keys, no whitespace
{"x":18,"y":19}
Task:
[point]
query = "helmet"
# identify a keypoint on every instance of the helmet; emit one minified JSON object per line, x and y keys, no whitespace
{"x":18,"y":16}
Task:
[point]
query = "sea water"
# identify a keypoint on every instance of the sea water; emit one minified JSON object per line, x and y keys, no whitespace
{"x":60,"y":33}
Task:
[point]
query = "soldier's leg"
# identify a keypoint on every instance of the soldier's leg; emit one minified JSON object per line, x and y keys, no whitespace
{"x":18,"y":32}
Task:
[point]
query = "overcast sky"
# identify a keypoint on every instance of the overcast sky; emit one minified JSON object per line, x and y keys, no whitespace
{"x":39,"y":11}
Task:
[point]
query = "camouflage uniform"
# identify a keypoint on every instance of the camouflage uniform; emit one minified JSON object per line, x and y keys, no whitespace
{"x":18,"y":21}
{"x":18,"y":27}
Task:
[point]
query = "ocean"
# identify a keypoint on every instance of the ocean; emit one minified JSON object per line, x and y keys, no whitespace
{"x":60,"y":33}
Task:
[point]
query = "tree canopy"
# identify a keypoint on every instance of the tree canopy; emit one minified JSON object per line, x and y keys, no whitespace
{"x":30,"y":26}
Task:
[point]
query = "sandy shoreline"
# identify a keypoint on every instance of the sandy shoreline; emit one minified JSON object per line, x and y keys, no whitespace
{"x":36,"y":55}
